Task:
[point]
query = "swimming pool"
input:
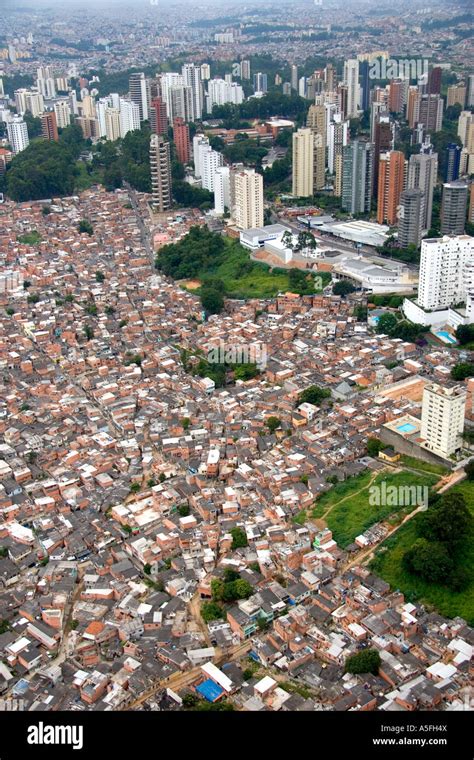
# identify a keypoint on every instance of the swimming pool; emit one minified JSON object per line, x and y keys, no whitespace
{"x":445,"y":336}
{"x":407,"y":427}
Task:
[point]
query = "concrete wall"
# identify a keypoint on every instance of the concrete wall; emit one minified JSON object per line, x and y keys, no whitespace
{"x":403,"y":446}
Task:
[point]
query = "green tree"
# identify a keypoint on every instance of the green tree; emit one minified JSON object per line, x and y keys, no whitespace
{"x":273,"y":423}
{"x":85,"y":226}
{"x":429,"y":560}
{"x":135,"y":487}
{"x":462,"y":370}
{"x":448,"y":521}
{"x":99,"y":276}
{"x":367,"y":661}
{"x":343,"y":288}
{"x":239,"y":538}
{"x":374,"y":445}
{"x":313,"y":395}
{"x":212,"y":300}
{"x":147,"y":568}
{"x":211,"y":611}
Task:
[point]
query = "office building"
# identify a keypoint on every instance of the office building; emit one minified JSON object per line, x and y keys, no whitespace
{"x":410,"y":219}
{"x":139,"y":93}
{"x":453,"y":208}
{"x":351,"y":80}
{"x":192,"y":78}
{"x":17,"y":133}
{"x":246,"y":192}
{"x":357,"y":170}
{"x":49,"y":126}
{"x":160,"y":168}
{"x":442,"y":418}
{"x":303,"y":163}
{"x":221,"y":189}
{"x":390,"y":186}
{"x":181,"y":140}
{"x":422,"y":174}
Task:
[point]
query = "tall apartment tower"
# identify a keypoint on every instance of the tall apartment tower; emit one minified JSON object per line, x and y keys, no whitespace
{"x":453,"y":208}
{"x":49,"y":126}
{"x":351,"y":80}
{"x":422,"y":173}
{"x":442,"y":418}
{"x":316,"y":121}
{"x":433,"y":86}
{"x":245,"y":69}
{"x":337,"y":138}
{"x":160,"y":168}
{"x":430,"y":113}
{"x":180,"y":103}
{"x":391,"y":184}
{"x":395,"y":96}
{"x":383,"y":142}
{"x":329,"y":78}
{"x":17,"y":132}
{"x":210,"y":162}
{"x":294,"y":76}
{"x":158,"y":117}
{"x":246,"y":191}
{"x":453,"y":162}
{"x":357,"y":170}
{"x":410,"y":218}
{"x":221,"y":189}
{"x":139,"y":93}
{"x":456,"y":94}
{"x":364,"y":71}
{"x":442,"y":270}
{"x":112,"y":124}
{"x":303,"y":163}
{"x":181,"y":140}
{"x":192,"y":78}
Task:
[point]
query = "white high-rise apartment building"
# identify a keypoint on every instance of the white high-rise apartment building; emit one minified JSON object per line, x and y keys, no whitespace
{"x":220,"y":92}
{"x":192,"y":78}
{"x":101,"y":107}
{"x":211,"y":160}
{"x":442,"y":418}
{"x":62,"y":110}
{"x":129,"y":116}
{"x":247,"y":198}
{"x":442,"y":271}
{"x":168,"y":80}
{"x":351,"y":80}
{"x":27,"y":100}
{"x":466,"y":118}
{"x":180,"y":98}
{"x":200,"y":145}
{"x":45,"y":82}
{"x":139,"y":93}
{"x":422,"y":174}
{"x":337,"y":138}
{"x":221,"y":189}
{"x":17,"y":134}
{"x":303,"y":163}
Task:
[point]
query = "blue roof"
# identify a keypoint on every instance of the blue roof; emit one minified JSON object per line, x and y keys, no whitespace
{"x":210,"y":690}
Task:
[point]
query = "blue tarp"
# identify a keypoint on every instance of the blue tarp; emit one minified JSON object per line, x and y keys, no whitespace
{"x":209,"y":690}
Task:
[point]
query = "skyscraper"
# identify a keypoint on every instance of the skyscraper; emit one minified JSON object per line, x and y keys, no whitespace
{"x":129,"y":116}
{"x":160,"y":168}
{"x":442,"y":271}
{"x":453,"y":208}
{"x":181,"y":140}
{"x":158,"y":117}
{"x":329,"y":78}
{"x":303,"y":163}
{"x":364,"y":85}
{"x":246,"y":190}
{"x":433,"y":86}
{"x":422,"y":174}
{"x":49,"y":127}
{"x":180,"y":99}
{"x":395,"y":96}
{"x":357,"y":168}
{"x":17,"y":132}
{"x":200,"y":144}
{"x":62,"y":110}
{"x":383,"y":141}
{"x":221,"y":189}
{"x":294,"y":76}
{"x":453,"y":160}
{"x":391,"y":183}
{"x":431,"y":113}
{"x":112,"y":123}
{"x":139,"y":93}
{"x":316,"y":121}
{"x":456,"y":94}
{"x":245,"y":69}
{"x":210,"y":161}
{"x":260,"y":82}
{"x":410,"y":218}
{"x":351,"y":80}
{"x":192,"y":78}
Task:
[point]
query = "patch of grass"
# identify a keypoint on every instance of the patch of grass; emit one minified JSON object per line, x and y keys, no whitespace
{"x":300,"y":518}
{"x":84,"y":180}
{"x":388,"y":564}
{"x":30,"y":238}
{"x":356,"y":514}
{"x":295,"y":688}
{"x":418,"y":464}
